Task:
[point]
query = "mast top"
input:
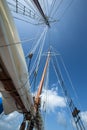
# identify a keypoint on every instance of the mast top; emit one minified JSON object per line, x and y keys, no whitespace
{"x":36,"y":2}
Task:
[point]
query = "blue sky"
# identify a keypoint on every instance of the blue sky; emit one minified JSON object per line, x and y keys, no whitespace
{"x":69,"y":37}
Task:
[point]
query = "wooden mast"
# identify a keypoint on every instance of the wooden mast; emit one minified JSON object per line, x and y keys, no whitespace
{"x":37,"y":98}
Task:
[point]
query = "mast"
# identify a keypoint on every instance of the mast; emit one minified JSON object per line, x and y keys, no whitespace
{"x":37,"y":98}
{"x":36,"y":118}
{"x":36,"y":2}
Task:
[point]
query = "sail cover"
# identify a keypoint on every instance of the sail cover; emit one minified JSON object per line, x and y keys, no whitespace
{"x":12,"y":56}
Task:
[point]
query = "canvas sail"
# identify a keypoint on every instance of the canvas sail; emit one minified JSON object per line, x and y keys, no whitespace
{"x":14,"y":62}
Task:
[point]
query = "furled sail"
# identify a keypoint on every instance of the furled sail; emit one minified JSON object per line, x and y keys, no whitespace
{"x":12,"y":63}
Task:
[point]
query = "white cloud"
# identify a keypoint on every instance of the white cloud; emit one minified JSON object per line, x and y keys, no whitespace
{"x":84,"y":118}
{"x":52,"y":100}
{"x":61,"y":118}
{"x":11,"y":121}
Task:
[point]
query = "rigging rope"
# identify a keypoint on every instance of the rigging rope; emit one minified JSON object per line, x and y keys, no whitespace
{"x":54,"y":11}
{"x":73,"y":109}
{"x":32,"y":51}
{"x":21,"y":9}
{"x":38,"y":42}
{"x":16,"y":43}
{"x":45,"y":7}
{"x":69,"y":78}
{"x":41,"y":41}
{"x":52,"y":6}
{"x":41,"y":49}
{"x":27,"y":20}
{"x":34,"y":6}
{"x":57,"y":71}
{"x":68,"y":6}
{"x":34,"y":66}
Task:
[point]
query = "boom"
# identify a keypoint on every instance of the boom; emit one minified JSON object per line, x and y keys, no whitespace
{"x":36,"y":2}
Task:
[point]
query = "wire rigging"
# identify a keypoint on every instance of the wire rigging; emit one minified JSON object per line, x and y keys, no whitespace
{"x":66,"y":8}
{"x":45,"y":7}
{"x":38,"y":42}
{"x":52,"y":6}
{"x":33,"y":13}
{"x":21,"y":9}
{"x":26,"y":41}
{"x":33,"y":7}
{"x":73,"y":109}
{"x":40,"y":50}
{"x":55,"y":10}
{"x":62,"y":61}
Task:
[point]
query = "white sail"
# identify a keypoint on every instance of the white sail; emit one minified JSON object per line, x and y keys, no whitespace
{"x":14,"y":61}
